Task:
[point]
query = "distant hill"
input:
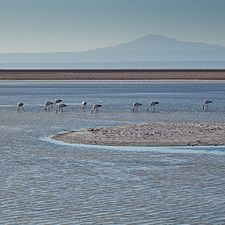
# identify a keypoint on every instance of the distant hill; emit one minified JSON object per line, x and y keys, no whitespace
{"x":152,"y":51}
{"x":159,"y":42}
{"x":159,"y":48}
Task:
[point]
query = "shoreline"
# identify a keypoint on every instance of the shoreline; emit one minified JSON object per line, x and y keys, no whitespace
{"x":112,"y":74}
{"x":106,"y":82}
{"x":212,"y":150}
{"x":156,"y":134}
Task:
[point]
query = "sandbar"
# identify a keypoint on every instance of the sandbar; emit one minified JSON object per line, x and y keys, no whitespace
{"x":150,"y":134}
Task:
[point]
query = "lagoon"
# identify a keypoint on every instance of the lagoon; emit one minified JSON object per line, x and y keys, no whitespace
{"x":49,"y":183}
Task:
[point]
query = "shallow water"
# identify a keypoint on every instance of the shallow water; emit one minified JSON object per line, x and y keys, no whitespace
{"x":48,"y":183}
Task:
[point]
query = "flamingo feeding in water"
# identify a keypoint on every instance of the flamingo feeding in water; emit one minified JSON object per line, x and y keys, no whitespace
{"x":60,"y":107}
{"x":84,"y":105}
{"x":57,"y":101}
{"x":48,"y":105}
{"x":19,"y":106}
{"x":152,"y":104}
{"x":135,"y":106}
{"x":95,"y":108}
{"x":206,"y":103}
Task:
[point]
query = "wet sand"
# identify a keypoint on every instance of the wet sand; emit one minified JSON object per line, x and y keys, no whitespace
{"x":115,"y":74}
{"x":151,"y":134}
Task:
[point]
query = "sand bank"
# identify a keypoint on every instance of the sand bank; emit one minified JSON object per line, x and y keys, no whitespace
{"x":115,"y":74}
{"x":151,"y":134}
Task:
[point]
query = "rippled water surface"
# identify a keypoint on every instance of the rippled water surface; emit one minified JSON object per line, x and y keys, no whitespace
{"x":43,"y":182}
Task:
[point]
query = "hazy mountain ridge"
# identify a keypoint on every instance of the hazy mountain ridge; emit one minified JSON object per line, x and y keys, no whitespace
{"x":150,"y":48}
{"x":159,"y":42}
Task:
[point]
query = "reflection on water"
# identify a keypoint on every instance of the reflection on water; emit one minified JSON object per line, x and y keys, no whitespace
{"x":46,"y":183}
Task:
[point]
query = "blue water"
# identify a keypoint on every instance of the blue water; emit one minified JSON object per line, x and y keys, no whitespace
{"x":48,"y":183}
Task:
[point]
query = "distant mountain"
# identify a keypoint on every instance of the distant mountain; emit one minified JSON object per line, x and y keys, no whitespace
{"x":161,"y":43}
{"x":145,"y":52}
{"x":159,"y":48}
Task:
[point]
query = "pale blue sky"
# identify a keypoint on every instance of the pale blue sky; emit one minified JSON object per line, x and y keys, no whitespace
{"x":78,"y":25}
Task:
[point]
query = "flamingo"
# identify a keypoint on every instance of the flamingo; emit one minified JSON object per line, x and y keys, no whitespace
{"x":19,"y":106}
{"x":95,"y":108}
{"x":135,"y":106}
{"x":152,"y":104}
{"x":60,"y":107}
{"x":206,"y":103}
{"x":84,"y":105}
{"x":57,"y":101}
{"x":48,"y":105}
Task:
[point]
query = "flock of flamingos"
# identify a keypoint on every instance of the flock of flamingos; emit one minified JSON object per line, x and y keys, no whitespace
{"x":59,"y":105}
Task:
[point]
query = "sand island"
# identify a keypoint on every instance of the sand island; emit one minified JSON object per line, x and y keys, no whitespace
{"x":150,"y":134}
